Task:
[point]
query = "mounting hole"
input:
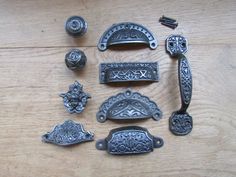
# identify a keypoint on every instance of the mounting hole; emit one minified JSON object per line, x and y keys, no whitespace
{"x":171,"y":44}
{"x":128,"y":93}
{"x":153,"y":44}
{"x":101,"y":118}
{"x":102,"y":46}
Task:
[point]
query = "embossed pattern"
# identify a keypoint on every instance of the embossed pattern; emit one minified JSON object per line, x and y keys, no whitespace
{"x":124,"y":33}
{"x":129,"y":140}
{"x":68,"y":133}
{"x":176,"y":44}
{"x":128,"y":105}
{"x":185,"y":80}
{"x":122,"y":72}
{"x":180,"y":123}
{"x":75,"y":99}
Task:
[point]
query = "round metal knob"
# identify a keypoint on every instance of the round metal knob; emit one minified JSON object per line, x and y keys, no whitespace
{"x":75,"y":59}
{"x":76,"y":26}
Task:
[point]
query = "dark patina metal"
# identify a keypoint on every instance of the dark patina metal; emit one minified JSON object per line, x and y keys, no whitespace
{"x":75,"y":59}
{"x":129,"y":140}
{"x":68,"y":133}
{"x":76,"y":26}
{"x":126,"y":33}
{"x":125,"y":72}
{"x":176,"y":45}
{"x":181,"y":123}
{"x":169,"y":22}
{"x":75,"y":99}
{"x":128,"y":106}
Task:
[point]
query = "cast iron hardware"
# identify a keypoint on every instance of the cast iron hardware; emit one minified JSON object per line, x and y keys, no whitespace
{"x":128,"y":106}
{"x":125,"y":72}
{"x":75,"y":99}
{"x":126,"y":33}
{"x":180,"y":122}
{"x":75,"y":59}
{"x":76,"y":26}
{"x":68,"y":133}
{"x":129,"y":140}
{"x":176,"y":44}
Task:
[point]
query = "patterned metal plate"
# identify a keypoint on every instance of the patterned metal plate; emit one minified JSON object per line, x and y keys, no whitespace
{"x":176,"y":44}
{"x":68,"y":133}
{"x":75,"y":99}
{"x":126,"y":33}
{"x":129,"y":140}
{"x":128,"y":106}
{"x":125,"y":72}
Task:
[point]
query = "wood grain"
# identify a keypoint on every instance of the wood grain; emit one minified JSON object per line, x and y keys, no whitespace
{"x":33,"y":73}
{"x":41,"y":23}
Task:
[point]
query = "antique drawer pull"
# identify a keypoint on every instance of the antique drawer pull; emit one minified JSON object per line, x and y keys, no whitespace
{"x":68,"y":133}
{"x":75,"y":99}
{"x":129,"y":140}
{"x":180,"y":122}
{"x":126,"y":33}
{"x":128,"y":106}
{"x":125,"y":72}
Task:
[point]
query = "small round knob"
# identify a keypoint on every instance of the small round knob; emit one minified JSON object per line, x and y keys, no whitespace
{"x":75,"y":59}
{"x":76,"y":26}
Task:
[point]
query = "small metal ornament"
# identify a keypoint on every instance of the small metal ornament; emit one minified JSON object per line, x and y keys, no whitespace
{"x":75,"y":99}
{"x":75,"y":59}
{"x":76,"y":26}
{"x":180,"y":122}
{"x":126,"y":72}
{"x":68,"y":133}
{"x":127,"y":33}
{"x":176,"y":44}
{"x":129,"y":140}
{"x":128,"y":106}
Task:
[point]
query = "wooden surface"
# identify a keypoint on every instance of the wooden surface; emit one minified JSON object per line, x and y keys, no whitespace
{"x":33,"y":73}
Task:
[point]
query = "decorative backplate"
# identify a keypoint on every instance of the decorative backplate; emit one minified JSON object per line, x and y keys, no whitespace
{"x":126,"y":33}
{"x":128,"y":106}
{"x":75,"y":99}
{"x":180,"y":123}
{"x":129,"y":140}
{"x":68,"y":133}
{"x":123,"y":72}
{"x":176,"y":44}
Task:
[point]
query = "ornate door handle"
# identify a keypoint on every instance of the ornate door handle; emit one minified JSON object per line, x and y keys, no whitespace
{"x":180,"y":122}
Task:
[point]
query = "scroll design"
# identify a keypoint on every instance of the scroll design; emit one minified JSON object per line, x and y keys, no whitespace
{"x":128,"y":106}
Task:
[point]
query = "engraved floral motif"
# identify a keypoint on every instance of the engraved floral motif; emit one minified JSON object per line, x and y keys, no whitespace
{"x":127,"y":32}
{"x":75,"y":99}
{"x":68,"y":133}
{"x":121,"y":72}
{"x":180,"y":123}
{"x":135,"y":141}
{"x":128,"y":105}
{"x":185,"y":80}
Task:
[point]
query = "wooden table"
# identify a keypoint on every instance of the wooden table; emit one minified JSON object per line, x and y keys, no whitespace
{"x":32,"y":49}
